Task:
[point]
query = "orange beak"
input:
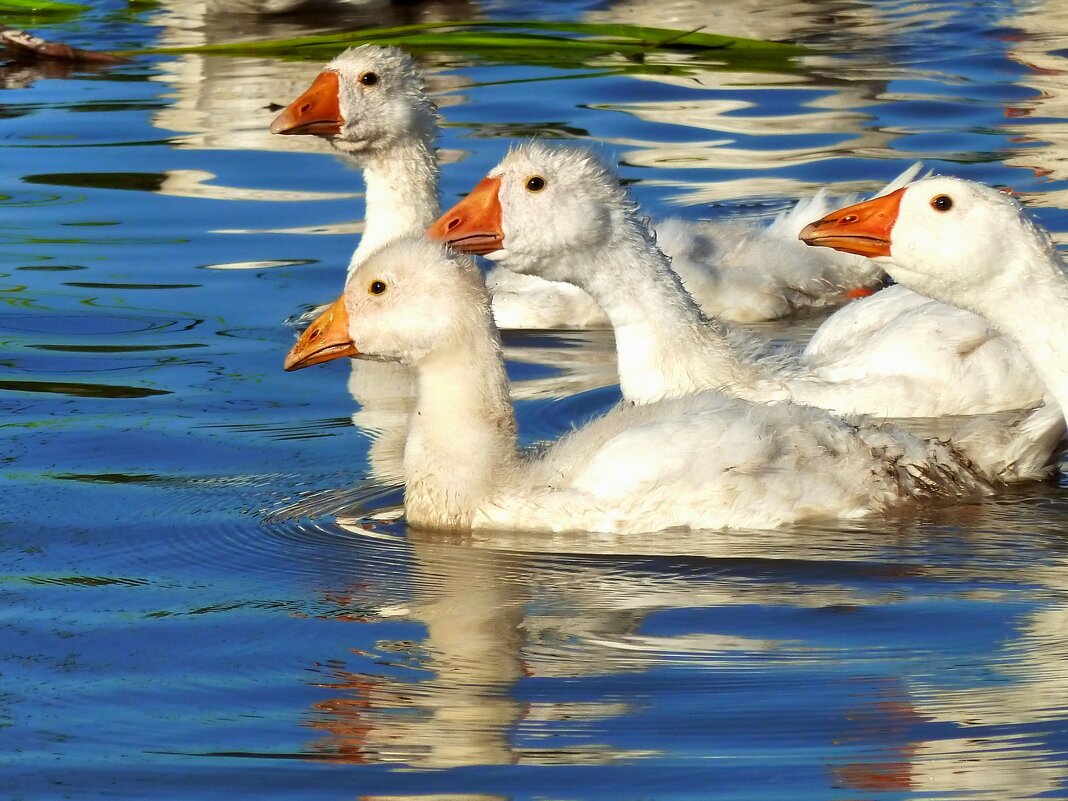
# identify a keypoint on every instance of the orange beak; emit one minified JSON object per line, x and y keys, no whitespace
{"x":863,"y":229}
{"x":474,"y":224}
{"x":315,"y":112}
{"x":324,"y":340}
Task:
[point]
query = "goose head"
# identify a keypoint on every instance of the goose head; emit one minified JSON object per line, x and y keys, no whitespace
{"x":407,"y":300}
{"x":366,"y":100}
{"x":947,"y":238}
{"x":541,"y":211}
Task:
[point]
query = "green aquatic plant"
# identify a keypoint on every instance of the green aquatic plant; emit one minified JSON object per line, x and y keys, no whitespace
{"x":19,"y":13}
{"x":552,"y":43}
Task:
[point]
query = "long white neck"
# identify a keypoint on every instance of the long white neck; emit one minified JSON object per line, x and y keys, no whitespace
{"x":401,"y":196}
{"x":1036,"y":316}
{"x":462,"y":436}
{"x":664,"y":344}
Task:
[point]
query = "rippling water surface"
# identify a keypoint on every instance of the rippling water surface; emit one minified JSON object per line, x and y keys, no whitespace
{"x":207,"y":591}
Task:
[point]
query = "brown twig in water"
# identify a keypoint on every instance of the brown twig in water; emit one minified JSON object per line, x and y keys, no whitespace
{"x":23,"y":44}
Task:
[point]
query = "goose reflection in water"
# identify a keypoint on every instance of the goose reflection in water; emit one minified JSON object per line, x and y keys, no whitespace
{"x":515,"y":625}
{"x":1039,"y":44}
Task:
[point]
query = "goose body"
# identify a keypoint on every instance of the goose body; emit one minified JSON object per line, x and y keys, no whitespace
{"x":706,"y":461}
{"x":964,"y":243}
{"x":737,"y":270}
{"x":576,"y":224}
{"x":529,"y":302}
{"x":746,"y":271}
{"x":929,"y":357}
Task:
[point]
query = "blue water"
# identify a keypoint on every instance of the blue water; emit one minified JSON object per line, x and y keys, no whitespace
{"x":204,"y":589}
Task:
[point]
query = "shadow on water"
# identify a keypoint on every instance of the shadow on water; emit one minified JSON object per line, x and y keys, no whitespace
{"x":81,"y":390}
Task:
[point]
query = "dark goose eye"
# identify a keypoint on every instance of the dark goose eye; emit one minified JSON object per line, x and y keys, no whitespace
{"x":376,"y":287}
{"x":368,"y":79}
{"x":535,"y":183}
{"x":942,"y":203}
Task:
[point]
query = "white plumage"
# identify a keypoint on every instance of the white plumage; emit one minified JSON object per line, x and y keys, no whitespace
{"x":701,"y":462}
{"x":741,"y":270}
{"x":579,"y":226}
{"x":967,"y":244}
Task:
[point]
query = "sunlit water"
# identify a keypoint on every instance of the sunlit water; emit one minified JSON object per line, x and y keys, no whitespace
{"x":206,"y":590}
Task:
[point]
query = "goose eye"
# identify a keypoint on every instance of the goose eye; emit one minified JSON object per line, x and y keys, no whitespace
{"x":368,"y":79}
{"x":376,"y":287}
{"x":535,"y":183}
{"x":942,"y":203}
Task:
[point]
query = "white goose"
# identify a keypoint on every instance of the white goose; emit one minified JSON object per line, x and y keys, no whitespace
{"x":967,"y":244}
{"x":370,"y":103}
{"x":706,"y":461}
{"x":560,"y":214}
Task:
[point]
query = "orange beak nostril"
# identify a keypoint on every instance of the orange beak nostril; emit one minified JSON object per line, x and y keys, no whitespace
{"x":453,"y":223}
{"x":849,"y":218}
